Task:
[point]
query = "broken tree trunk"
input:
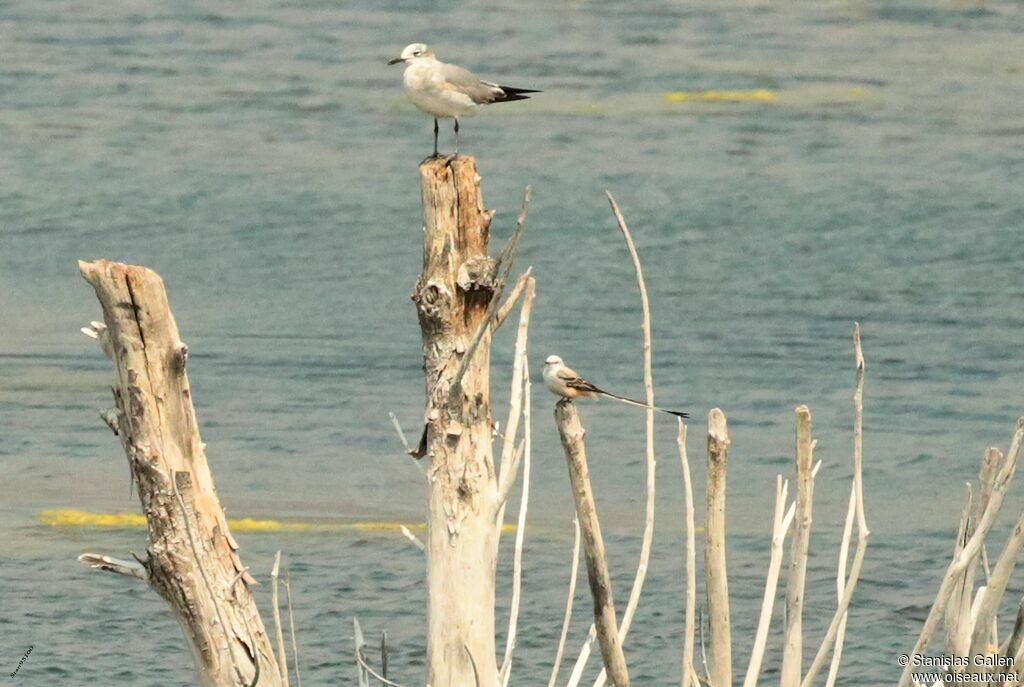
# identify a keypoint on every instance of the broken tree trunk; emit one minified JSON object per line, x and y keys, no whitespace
{"x":192,"y":558}
{"x":452,"y":297}
{"x":571,"y":432}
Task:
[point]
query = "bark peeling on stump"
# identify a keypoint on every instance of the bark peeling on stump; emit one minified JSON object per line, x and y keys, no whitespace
{"x":451,"y":297}
{"x":192,"y":558}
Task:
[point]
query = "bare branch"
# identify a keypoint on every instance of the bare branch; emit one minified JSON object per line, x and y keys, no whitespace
{"x":517,"y":559}
{"x":648,"y":535}
{"x":780,"y":524}
{"x":119,"y":566}
{"x":513,"y":298}
{"x":362,"y":675}
{"x":291,"y":625}
{"x":366,"y":666}
{"x":792,"y":651}
{"x":971,"y":549}
{"x":409,"y":451}
{"x":509,"y":460}
{"x":717,"y":582}
{"x":581,"y":660}
{"x":573,"y":574}
{"x":412,"y":537}
{"x":503,"y":267}
{"x":836,"y":629}
{"x":282,"y":657}
{"x":691,"y":559}
{"x":844,"y":550}
{"x":571,"y":432}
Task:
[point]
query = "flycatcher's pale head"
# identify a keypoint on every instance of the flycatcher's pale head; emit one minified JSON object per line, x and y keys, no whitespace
{"x":553,"y":360}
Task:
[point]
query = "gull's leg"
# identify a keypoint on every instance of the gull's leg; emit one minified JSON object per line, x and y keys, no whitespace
{"x":456,"y":136}
{"x":435,"y":136}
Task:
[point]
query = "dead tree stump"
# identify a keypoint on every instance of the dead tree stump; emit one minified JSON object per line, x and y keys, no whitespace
{"x":452,"y":297}
{"x":571,"y":431}
{"x":192,"y":558}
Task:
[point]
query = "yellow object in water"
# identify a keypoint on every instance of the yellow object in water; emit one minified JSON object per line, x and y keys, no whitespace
{"x":68,"y":517}
{"x":759,"y":95}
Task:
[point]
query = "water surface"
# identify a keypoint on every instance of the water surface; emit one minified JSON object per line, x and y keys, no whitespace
{"x":263,"y":160}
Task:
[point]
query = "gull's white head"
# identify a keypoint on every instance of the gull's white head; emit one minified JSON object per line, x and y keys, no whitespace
{"x":553,"y":360}
{"x":414,"y":51}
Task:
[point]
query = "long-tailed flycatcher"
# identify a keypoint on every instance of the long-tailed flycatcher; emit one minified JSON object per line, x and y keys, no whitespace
{"x":447,"y":90}
{"x":565,"y":382}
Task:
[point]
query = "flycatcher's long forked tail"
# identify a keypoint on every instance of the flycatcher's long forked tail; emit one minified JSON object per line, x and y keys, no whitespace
{"x":634,"y":402}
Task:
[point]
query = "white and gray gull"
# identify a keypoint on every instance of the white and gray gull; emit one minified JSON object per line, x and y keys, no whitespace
{"x":564,"y":381}
{"x":447,"y":90}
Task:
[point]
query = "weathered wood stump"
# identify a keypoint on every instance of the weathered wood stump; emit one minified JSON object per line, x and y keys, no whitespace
{"x":452,"y":297}
{"x":571,"y":432}
{"x":192,"y":559}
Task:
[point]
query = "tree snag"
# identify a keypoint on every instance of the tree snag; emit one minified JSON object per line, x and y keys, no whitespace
{"x":192,"y":559}
{"x":571,"y":432}
{"x":452,"y":298}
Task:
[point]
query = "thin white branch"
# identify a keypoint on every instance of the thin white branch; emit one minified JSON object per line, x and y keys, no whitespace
{"x":282,"y":656}
{"x":839,"y":619}
{"x":691,"y":560}
{"x":844,"y":551}
{"x":503,"y":267}
{"x":98,"y":561}
{"x":405,"y":444}
{"x":509,"y":460}
{"x":362,"y":675}
{"x":986,"y":610}
{"x":524,"y":501}
{"x":366,"y":666}
{"x":513,"y":297}
{"x":413,"y":538}
{"x":648,"y":535}
{"x":581,"y":660}
{"x":780,"y":523}
{"x":291,"y":624}
{"x":573,"y":574}
{"x":957,"y":613}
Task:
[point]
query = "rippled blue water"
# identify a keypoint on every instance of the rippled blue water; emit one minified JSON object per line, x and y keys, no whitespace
{"x":262,"y":158}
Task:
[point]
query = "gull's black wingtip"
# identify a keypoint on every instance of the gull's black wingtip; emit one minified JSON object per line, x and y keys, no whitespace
{"x":509,"y":94}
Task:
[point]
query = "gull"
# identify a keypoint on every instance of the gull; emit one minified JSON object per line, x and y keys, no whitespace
{"x":565,"y":382}
{"x":447,"y":90}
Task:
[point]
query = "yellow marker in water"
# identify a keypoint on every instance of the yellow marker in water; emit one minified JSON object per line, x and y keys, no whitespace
{"x":760,"y":95}
{"x":69,"y":517}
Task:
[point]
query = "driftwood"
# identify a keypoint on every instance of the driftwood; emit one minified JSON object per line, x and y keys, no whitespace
{"x":192,"y":559}
{"x":965,"y":555}
{"x":571,"y":431}
{"x":717,"y":582}
{"x":967,"y":551}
